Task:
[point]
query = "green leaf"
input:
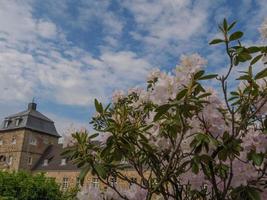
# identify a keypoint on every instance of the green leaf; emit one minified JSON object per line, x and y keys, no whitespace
{"x":256,"y":59}
{"x":261,"y":74}
{"x":98,"y":106}
{"x":253,"y":193}
{"x":161,"y":110}
{"x":209,"y":76}
{"x":236,"y":35}
{"x":94,"y":135}
{"x":222,"y":155}
{"x":181,"y":94}
{"x":199,"y":74}
{"x":195,"y":168}
{"x":244,"y":56}
{"x":244,"y":77}
{"x":216,"y":41}
{"x":231,"y":26}
{"x":257,"y":158}
{"x":101,"y":170}
{"x":253,"y":49}
{"x":84,"y":171}
{"x":225,"y":26}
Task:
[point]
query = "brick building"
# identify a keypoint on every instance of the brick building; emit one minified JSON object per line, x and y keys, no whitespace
{"x":29,"y":141}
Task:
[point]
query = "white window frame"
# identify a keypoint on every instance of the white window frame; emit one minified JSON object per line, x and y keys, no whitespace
{"x":63,"y":161}
{"x":95,"y":182}
{"x":29,"y":160}
{"x":17,"y":121}
{"x":14,"y":140}
{"x":45,"y":163}
{"x":65,"y":183}
{"x":113,"y":180}
{"x":10,"y":160}
{"x":7,"y":122}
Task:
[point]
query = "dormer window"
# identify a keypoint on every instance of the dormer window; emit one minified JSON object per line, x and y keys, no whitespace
{"x":45,"y":163}
{"x":13,"y":141}
{"x":6,"y":123}
{"x":63,"y":161}
{"x":17,"y":122}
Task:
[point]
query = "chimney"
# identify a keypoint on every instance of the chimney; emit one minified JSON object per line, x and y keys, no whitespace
{"x":32,"y":106}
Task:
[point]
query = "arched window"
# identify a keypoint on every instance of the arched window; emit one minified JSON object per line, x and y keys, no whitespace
{"x":45,"y":163}
{"x":63,"y":161}
{"x":13,"y":141}
{"x":2,"y":158}
{"x":10,"y":160}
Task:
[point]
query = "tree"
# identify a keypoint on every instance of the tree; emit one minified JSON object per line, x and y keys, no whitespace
{"x":183,"y":139}
{"x":24,"y":186}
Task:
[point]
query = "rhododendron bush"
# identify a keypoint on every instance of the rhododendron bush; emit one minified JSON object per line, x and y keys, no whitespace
{"x":184,"y":139}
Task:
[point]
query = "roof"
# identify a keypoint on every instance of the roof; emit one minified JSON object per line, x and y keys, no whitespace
{"x":54,"y":157}
{"x":30,"y":119}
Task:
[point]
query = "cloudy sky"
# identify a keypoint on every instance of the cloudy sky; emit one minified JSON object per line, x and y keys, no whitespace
{"x":65,"y":53}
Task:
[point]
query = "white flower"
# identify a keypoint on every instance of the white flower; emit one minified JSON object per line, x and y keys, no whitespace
{"x":153,"y":74}
{"x":188,"y":66}
{"x":117,"y":95}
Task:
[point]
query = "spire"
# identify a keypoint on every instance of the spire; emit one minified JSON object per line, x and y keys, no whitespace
{"x":32,"y":106}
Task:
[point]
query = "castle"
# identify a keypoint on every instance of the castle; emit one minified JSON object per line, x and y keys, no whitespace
{"x":29,"y":141}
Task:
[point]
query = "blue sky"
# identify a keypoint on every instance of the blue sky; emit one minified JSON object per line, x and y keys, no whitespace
{"x":66,"y":53}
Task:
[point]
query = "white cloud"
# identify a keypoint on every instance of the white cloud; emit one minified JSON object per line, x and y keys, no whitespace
{"x":31,"y":66}
{"x":166,"y":22}
{"x":46,"y":29}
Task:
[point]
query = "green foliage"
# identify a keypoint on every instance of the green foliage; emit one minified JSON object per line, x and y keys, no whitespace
{"x":129,"y":132}
{"x":24,"y":186}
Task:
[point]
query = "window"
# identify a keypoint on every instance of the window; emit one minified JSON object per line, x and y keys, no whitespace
{"x":30,"y":160}
{"x":45,"y":141}
{"x":63,"y":161}
{"x":17,"y":122}
{"x":33,"y":141}
{"x":7,"y":122}
{"x":95,"y":182}
{"x":13,"y":141}
{"x":65,"y":183}
{"x":10,"y":160}
{"x":133,"y":180}
{"x":45,"y":163}
{"x":113,"y":180}
{"x":1,"y":142}
{"x":78,"y":183}
{"x":2,"y":158}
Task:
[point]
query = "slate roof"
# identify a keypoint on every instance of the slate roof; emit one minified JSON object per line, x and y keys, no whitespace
{"x":54,"y":157}
{"x":30,"y":119}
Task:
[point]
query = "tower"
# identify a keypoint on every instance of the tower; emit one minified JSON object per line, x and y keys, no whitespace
{"x":24,"y":137}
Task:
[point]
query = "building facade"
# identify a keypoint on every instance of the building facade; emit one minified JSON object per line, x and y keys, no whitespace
{"x":29,"y":141}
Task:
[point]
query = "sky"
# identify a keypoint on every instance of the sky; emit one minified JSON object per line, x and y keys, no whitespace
{"x":66,"y":53}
